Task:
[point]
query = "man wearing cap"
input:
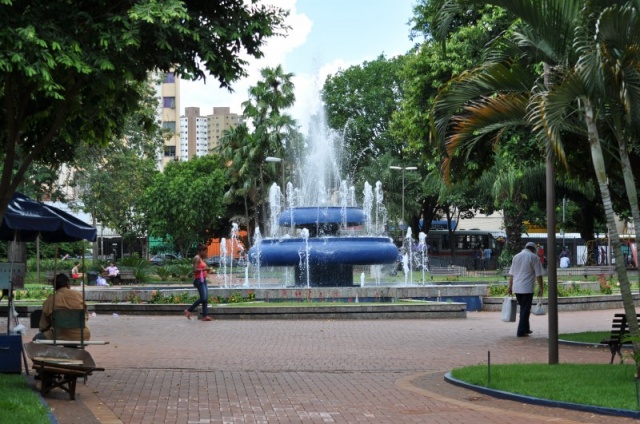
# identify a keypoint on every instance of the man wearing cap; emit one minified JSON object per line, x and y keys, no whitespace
{"x":525,"y":270}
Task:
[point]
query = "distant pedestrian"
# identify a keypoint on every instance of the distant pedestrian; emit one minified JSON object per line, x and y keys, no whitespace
{"x":603,"y":256}
{"x":486,"y":257}
{"x":565,"y":258}
{"x":540,"y":254}
{"x":200,"y":282}
{"x":525,"y":270}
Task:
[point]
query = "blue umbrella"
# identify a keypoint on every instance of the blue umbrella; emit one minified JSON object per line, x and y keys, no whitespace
{"x":25,"y":218}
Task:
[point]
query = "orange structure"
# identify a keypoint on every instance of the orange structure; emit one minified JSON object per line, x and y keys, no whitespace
{"x":234,"y":247}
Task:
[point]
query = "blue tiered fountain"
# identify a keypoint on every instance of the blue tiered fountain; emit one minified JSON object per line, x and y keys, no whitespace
{"x":320,"y":256}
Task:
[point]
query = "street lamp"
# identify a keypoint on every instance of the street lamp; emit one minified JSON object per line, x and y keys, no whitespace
{"x":275,"y":159}
{"x":406,"y":168}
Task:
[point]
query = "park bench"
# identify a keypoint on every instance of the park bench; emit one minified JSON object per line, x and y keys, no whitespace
{"x":446,"y":271}
{"x":586,"y":271}
{"x":618,"y":337}
{"x":125,"y":276}
{"x":505,"y":272}
{"x":50,"y":274}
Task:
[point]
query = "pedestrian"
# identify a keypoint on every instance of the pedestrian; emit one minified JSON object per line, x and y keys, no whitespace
{"x":200,"y":282}
{"x":540,"y":253}
{"x":486,"y":257}
{"x":525,"y":270}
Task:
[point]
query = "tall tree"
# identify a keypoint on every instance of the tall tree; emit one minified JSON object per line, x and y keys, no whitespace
{"x":184,"y":203}
{"x":273,"y":132}
{"x":360,"y":102}
{"x":112,"y":180}
{"x":570,"y":95}
{"x":67,"y":69}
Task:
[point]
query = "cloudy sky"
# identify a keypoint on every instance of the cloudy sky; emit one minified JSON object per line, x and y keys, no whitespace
{"x":325,"y":36}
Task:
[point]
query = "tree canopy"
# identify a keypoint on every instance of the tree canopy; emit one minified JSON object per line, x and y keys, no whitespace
{"x":66,"y":69}
{"x":184,"y":203}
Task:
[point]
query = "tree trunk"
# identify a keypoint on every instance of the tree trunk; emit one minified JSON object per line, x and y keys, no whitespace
{"x":621,"y":268}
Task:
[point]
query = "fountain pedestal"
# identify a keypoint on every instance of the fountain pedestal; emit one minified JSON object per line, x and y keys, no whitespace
{"x":325,"y":275}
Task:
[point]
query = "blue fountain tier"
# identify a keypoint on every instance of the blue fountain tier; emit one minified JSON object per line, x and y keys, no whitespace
{"x":326,"y":250}
{"x":303,"y":217}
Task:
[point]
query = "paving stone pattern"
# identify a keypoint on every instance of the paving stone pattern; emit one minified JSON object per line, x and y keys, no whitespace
{"x":167,"y":369}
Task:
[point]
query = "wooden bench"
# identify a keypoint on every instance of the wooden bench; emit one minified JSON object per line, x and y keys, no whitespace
{"x":587,"y":271}
{"x":48,"y":275}
{"x":618,"y":338}
{"x":505,"y":272}
{"x":446,"y":271}
{"x":126,"y":275}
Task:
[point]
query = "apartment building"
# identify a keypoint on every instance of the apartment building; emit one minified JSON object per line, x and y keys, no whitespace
{"x":200,"y":134}
{"x":169,"y":113}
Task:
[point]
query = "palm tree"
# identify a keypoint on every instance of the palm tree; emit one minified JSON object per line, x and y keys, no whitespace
{"x":572,"y":95}
{"x":245,"y":149}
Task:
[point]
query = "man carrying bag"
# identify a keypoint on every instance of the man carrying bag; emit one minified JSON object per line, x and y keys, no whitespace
{"x":525,"y":270}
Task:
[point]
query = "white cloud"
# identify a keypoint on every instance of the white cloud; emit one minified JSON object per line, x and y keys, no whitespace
{"x":206,"y":96}
{"x":293,"y":52}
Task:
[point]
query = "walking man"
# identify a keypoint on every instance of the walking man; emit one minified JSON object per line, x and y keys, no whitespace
{"x":525,"y":270}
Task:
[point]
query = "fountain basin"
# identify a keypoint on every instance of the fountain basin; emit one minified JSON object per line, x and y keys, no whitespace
{"x":328,"y":260}
{"x":330,"y":250}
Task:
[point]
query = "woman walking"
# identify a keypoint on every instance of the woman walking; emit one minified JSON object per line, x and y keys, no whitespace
{"x":200,"y":282}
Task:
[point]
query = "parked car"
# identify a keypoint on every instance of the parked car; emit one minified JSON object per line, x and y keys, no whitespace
{"x":161,"y":258}
{"x":217,"y":261}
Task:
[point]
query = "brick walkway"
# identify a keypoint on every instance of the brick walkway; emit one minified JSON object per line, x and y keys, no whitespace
{"x":166,"y":369}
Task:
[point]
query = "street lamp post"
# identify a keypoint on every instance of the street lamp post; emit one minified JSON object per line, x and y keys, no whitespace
{"x":405,"y":168}
{"x":275,"y":159}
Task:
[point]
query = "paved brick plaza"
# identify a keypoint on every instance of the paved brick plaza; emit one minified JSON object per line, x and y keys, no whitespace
{"x":166,"y":369}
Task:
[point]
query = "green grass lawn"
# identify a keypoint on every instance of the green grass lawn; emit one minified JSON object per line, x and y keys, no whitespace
{"x":19,"y":403}
{"x":586,"y":337}
{"x":604,"y":385}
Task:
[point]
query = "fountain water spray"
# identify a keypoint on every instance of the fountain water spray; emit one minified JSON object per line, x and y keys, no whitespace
{"x":223,"y":259}
{"x":408,"y":254}
{"x":305,"y":255}
{"x":423,"y":253}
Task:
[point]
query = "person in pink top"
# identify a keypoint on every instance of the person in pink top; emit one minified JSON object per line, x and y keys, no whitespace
{"x":200,"y":282}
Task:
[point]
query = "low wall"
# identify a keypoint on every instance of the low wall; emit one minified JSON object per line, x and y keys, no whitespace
{"x":578,"y":303}
{"x":470,"y":295}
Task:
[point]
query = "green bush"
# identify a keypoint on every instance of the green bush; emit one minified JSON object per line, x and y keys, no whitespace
{"x":164,"y":272}
{"x":183,"y":270}
{"x":498,"y":290}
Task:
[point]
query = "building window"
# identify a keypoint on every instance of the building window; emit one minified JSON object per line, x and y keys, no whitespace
{"x":169,"y":102}
{"x":169,"y":78}
{"x":169,"y":125}
{"x":170,"y":151}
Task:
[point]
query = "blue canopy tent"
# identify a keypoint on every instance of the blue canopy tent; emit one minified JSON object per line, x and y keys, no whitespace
{"x":25,"y":219}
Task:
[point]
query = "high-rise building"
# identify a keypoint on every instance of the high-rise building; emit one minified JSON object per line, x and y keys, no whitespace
{"x":200,"y":134}
{"x":169,"y":112}
{"x":193,"y":134}
{"x":221,"y":120}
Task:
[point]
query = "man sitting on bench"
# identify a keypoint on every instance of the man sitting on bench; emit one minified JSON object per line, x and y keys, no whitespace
{"x":65,"y":298}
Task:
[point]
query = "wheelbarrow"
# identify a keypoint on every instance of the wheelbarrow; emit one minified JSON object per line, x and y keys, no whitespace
{"x":60,"y":366}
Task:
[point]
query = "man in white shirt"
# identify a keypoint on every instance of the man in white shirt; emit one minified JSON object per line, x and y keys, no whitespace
{"x":525,"y":270}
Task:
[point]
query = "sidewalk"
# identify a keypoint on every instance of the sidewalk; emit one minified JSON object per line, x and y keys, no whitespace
{"x":171,"y":370}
